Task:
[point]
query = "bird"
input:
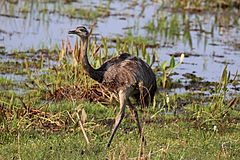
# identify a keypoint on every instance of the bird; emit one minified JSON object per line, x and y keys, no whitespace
{"x":125,"y":75}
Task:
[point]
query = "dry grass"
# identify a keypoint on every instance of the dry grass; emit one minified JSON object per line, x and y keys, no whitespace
{"x":94,"y":93}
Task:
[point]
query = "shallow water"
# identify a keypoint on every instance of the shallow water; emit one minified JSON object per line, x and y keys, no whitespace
{"x":214,"y":36}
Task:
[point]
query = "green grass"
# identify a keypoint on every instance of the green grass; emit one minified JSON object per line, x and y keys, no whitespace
{"x":167,"y":138}
{"x":34,"y":127}
{"x":200,"y":5}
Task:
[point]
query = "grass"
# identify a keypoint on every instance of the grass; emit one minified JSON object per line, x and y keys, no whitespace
{"x":167,"y":138}
{"x":63,"y":8}
{"x":177,"y":126}
{"x":35,"y":127}
{"x":200,"y":5}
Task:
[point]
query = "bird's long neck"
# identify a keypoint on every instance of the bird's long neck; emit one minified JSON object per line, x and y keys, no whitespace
{"x":93,"y":73}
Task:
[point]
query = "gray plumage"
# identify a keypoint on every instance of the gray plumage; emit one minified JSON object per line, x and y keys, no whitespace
{"x":126,"y":75}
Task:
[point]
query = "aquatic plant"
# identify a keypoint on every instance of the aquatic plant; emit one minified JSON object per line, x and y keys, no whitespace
{"x":213,"y":115}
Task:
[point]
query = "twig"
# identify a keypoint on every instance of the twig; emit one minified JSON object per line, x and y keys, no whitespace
{"x":70,"y":117}
{"x":81,"y":126}
{"x":92,"y":27}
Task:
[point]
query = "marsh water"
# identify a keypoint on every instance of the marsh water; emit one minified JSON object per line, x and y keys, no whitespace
{"x":209,"y":39}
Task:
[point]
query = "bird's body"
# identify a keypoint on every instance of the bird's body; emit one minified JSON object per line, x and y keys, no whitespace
{"x":126,"y":75}
{"x":127,"y":71}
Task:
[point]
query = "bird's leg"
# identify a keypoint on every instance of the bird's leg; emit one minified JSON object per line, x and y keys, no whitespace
{"x":133,"y":110}
{"x":119,"y":117}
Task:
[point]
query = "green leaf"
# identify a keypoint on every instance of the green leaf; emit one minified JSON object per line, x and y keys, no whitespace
{"x":153,"y":58}
{"x":137,"y":51}
{"x":235,"y":76}
{"x":104,"y":41}
{"x":148,"y":59}
{"x":164,"y":65}
{"x":144,"y":51}
{"x":164,"y":79}
{"x":172,"y":62}
{"x":229,"y":74}
{"x":224,"y":76}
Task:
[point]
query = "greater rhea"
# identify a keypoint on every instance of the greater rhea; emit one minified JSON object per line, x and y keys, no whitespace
{"x":126,"y":75}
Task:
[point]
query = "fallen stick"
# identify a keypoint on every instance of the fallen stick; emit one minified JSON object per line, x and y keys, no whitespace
{"x":81,"y":126}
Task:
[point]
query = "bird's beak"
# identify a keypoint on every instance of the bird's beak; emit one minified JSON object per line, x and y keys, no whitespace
{"x":72,"y":32}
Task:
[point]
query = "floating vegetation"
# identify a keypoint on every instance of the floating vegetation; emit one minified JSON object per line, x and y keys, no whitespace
{"x":201,"y":5}
{"x":62,"y":8}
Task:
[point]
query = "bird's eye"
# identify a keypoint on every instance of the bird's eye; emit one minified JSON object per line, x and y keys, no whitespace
{"x":81,"y":29}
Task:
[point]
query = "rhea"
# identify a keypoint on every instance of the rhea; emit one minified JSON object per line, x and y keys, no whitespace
{"x":126,"y":75}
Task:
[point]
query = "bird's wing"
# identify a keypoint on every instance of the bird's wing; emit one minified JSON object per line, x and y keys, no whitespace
{"x":114,"y":61}
{"x":129,"y":73}
{"x":123,"y":74}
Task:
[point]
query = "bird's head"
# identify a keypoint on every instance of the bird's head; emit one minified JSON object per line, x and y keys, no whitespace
{"x":81,"y":31}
